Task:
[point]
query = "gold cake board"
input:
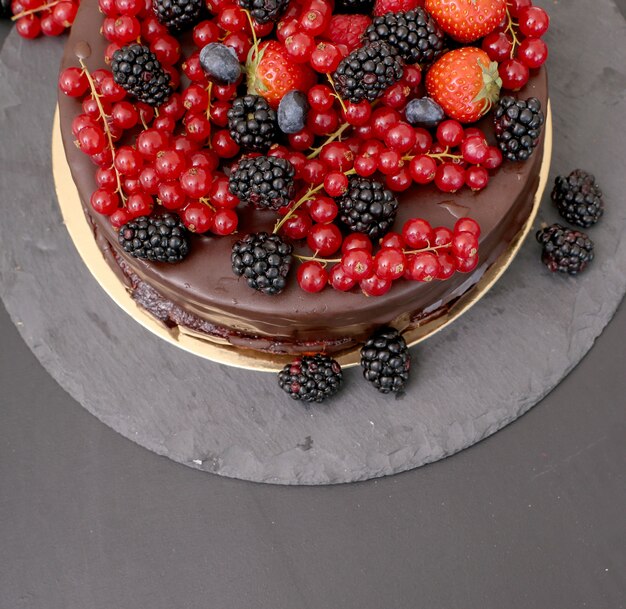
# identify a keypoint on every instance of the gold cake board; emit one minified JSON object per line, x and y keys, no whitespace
{"x":81,"y":233}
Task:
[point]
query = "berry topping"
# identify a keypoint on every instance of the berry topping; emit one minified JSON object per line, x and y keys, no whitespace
{"x":292,"y":112}
{"x":518,"y":127}
{"x":252,"y":123}
{"x":465,"y":83}
{"x":578,"y":198}
{"x":159,"y":238}
{"x":178,"y":15}
{"x":265,"y":182}
{"x":467,"y":20}
{"x":272,"y":73}
{"x":424,"y":112}
{"x":265,"y":11}
{"x":367,"y":207}
{"x":367,"y":72}
{"x":311,"y":378}
{"x":565,"y":250}
{"x":382,"y":7}
{"x":220,"y":62}
{"x":263,"y":260}
{"x":347,"y":30}
{"x":385,"y":359}
{"x":139,"y":72}
{"x":415,"y":35}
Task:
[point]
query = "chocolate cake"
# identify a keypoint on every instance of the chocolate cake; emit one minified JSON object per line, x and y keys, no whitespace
{"x":201,"y":293}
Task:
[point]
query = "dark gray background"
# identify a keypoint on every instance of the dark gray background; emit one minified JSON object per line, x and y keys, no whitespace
{"x":531,"y":517}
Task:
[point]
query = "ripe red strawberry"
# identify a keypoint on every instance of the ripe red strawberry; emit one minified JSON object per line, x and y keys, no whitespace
{"x":465,"y":83}
{"x":347,"y":29}
{"x":382,"y":7}
{"x":467,"y":20}
{"x":272,"y":74}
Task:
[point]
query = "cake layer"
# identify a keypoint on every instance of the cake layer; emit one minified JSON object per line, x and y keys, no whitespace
{"x":202,"y":293}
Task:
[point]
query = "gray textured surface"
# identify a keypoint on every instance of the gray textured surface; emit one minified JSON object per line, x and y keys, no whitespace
{"x":530,"y":518}
{"x":246,"y":428}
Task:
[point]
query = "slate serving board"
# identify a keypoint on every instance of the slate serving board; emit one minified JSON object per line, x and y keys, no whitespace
{"x":470,"y":380}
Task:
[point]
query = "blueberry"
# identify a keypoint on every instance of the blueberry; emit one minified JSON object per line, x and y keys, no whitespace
{"x":292,"y":112}
{"x":424,"y":112}
{"x":220,"y":62}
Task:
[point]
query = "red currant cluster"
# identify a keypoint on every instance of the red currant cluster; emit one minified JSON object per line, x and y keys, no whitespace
{"x":419,"y":253}
{"x":34,"y":17}
{"x":303,"y":31}
{"x":175,"y":169}
{"x":517,"y":45}
{"x":385,"y":144}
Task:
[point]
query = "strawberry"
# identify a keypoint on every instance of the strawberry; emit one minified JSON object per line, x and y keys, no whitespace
{"x":467,"y":20}
{"x":382,"y":7}
{"x":272,"y":74}
{"x":347,"y":30}
{"x":465,"y":83}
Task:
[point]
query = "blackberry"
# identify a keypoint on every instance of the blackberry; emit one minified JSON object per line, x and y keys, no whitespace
{"x":160,"y":238}
{"x":414,"y":34}
{"x":264,"y":260}
{"x":311,"y":378}
{"x":367,"y":72}
{"x":385,"y":359}
{"x":265,"y":11}
{"x":565,"y":250}
{"x":178,"y":15}
{"x":138,"y":71}
{"x":578,"y":198}
{"x":363,"y":7}
{"x":252,"y":123}
{"x":264,"y":181}
{"x":367,"y":207}
{"x":518,"y":126}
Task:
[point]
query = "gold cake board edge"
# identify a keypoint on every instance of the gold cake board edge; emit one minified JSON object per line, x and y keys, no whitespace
{"x":82,"y":236}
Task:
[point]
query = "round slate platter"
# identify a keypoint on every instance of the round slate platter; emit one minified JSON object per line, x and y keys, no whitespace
{"x":470,"y":380}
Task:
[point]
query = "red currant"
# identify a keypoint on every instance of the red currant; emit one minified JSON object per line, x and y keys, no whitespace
{"x":389,"y":263}
{"x":356,"y":241}
{"x":464,"y":245}
{"x":73,"y":82}
{"x":400,"y":137}
{"x":375,"y":286}
{"x":467,"y":225}
{"x":474,"y":149}
{"x":423,"y":169}
{"x":533,"y":22}
{"x":171,"y":195}
{"x":225,"y":222}
{"x":335,"y":183}
{"x":323,"y":210}
{"x":197,"y":217}
{"x":476,"y":178}
{"x":447,"y":265}
{"x":340,"y":280}
{"x":104,"y":202}
{"x":417,"y":233}
{"x":128,"y":161}
{"x":533,"y":52}
{"x":324,"y":239}
{"x":424,"y":266}
{"x":312,"y":276}
{"x":297,"y":226}
{"x":498,"y":46}
{"x":450,"y":133}
{"x":357,"y":264}
{"x":514,"y":74}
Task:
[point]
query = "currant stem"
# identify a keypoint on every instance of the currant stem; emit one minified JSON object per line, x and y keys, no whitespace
{"x":206,"y":202}
{"x":438,"y":157}
{"x":332,"y":84}
{"x":103,"y":117}
{"x":209,"y":90}
{"x":322,"y":261}
{"x":255,"y":41}
{"x":511,"y":29}
{"x":37,"y":9}
{"x":331,"y":138}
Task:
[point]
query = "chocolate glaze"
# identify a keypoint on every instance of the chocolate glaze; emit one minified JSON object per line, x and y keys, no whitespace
{"x":202,"y":293}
